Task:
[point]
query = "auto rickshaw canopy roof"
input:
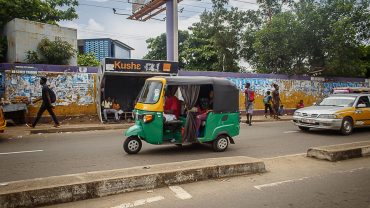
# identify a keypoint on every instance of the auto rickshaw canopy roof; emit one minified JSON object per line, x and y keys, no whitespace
{"x":226,"y":94}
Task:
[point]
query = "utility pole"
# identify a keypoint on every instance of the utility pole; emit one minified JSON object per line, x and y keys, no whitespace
{"x":172,"y":41}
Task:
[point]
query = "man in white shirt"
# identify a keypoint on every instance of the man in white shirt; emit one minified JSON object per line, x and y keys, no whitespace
{"x":107,"y":108}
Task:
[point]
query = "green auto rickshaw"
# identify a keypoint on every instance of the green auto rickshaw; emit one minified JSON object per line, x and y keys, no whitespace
{"x":218,"y":128}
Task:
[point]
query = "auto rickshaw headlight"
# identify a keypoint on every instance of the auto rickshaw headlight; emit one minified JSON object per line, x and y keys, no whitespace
{"x":148,"y":118}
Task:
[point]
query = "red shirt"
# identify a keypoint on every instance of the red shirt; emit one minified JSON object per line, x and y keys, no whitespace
{"x":300,"y":105}
{"x":172,"y":103}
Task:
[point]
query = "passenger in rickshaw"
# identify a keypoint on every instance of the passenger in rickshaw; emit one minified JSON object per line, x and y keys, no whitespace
{"x":172,"y":105}
{"x":205,"y":106}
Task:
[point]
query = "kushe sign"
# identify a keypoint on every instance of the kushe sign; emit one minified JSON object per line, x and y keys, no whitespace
{"x":140,"y":65}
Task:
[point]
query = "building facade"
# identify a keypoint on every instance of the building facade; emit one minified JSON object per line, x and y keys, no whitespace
{"x":104,"y":48}
{"x":24,"y":35}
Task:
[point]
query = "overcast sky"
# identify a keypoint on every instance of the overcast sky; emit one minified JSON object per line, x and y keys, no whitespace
{"x":96,"y":20}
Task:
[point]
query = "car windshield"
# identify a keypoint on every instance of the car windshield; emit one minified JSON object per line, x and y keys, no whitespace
{"x":151,"y":92}
{"x":338,"y":101}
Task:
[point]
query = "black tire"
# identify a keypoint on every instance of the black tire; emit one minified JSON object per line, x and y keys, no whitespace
{"x":132,"y":145}
{"x":303,"y":128}
{"x":347,"y":126}
{"x":221,"y":143}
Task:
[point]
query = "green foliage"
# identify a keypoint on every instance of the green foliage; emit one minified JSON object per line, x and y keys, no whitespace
{"x":158,"y":50}
{"x":310,"y":37}
{"x":56,"y":52}
{"x":33,"y":57}
{"x":88,"y":59}
{"x":46,"y":11}
{"x":3,"y":48}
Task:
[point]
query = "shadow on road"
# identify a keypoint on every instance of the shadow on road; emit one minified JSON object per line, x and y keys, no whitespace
{"x":333,"y":133}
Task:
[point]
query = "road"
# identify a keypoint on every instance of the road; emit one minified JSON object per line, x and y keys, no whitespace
{"x":293,"y":181}
{"x":45,"y":155}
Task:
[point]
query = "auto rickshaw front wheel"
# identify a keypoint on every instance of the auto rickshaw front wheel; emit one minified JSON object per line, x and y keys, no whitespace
{"x":132,"y":145}
{"x":221,"y":143}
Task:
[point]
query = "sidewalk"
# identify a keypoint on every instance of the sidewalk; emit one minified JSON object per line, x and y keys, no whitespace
{"x":22,"y":130}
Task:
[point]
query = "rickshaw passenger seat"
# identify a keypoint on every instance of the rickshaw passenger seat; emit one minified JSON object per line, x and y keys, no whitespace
{"x":172,"y":125}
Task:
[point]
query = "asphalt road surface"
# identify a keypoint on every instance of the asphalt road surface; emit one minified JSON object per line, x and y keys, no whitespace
{"x":45,"y":155}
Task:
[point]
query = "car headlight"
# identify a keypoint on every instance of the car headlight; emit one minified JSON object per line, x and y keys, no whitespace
{"x":329,"y":116}
{"x":297,"y":113}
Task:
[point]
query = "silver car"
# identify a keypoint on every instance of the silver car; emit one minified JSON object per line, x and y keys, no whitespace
{"x":338,"y":112}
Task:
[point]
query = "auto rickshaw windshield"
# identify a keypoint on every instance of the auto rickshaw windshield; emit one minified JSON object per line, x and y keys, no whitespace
{"x":151,"y":92}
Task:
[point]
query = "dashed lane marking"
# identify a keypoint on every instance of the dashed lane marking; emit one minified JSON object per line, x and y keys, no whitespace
{"x":259,"y":187}
{"x":283,"y":156}
{"x":180,"y":192}
{"x":140,"y":202}
{"x":289,"y":132}
{"x":21,"y":152}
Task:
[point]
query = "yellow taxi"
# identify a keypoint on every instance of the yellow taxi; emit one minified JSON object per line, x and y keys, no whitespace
{"x":344,"y":110}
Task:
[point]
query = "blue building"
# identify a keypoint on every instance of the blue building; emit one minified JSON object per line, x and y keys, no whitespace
{"x":105,"y":47}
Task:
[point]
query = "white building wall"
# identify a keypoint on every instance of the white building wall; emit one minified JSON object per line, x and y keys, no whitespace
{"x":25,"y":35}
{"x":121,"y":53}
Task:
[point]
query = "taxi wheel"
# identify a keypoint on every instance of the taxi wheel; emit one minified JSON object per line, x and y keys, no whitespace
{"x":221,"y":143}
{"x":303,"y":128}
{"x":132,"y":145}
{"x":347,"y":126}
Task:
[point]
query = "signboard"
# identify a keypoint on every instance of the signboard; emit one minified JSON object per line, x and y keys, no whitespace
{"x":140,"y":65}
{"x":138,"y":4}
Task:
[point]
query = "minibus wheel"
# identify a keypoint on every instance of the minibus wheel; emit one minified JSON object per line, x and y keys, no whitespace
{"x":132,"y":145}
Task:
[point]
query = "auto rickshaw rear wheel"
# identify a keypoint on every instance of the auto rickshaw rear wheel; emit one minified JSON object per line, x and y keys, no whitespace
{"x":221,"y":143}
{"x":132,"y":145}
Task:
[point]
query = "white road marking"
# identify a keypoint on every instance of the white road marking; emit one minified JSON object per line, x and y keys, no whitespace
{"x":282,"y":156}
{"x":289,"y":132}
{"x":259,"y":187}
{"x":180,"y":192}
{"x":30,"y":151}
{"x":140,"y":202}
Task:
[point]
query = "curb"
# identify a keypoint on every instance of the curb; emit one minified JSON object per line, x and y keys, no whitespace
{"x":78,"y":129}
{"x":68,"y":188}
{"x":335,"y":153}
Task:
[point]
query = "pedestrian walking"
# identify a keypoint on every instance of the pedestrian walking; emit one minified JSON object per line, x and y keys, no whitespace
{"x":249,"y":99}
{"x":267,"y":101}
{"x":276,"y":101}
{"x":48,"y":97}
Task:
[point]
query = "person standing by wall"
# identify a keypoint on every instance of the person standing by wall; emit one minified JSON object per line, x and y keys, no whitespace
{"x":276,"y":100}
{"x":249,"y":99}
{"x":267,"y":101}
{"x":47,"y":97}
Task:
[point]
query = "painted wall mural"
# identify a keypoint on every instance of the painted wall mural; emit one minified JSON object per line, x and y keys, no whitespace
{"x":69,"y":87}
{"x":291,"y":91}
{"x":75,"y":92}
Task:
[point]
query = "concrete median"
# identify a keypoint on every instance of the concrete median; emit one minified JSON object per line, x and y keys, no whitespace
{"x":68,"y":188}
{"x":340,"y":152}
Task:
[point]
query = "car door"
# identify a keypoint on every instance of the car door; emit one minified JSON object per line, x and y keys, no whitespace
{"x":362,"y":112}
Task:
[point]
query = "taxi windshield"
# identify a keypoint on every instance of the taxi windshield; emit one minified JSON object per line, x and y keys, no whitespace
{"x":151,"y":92}
{"x":338,"y":101}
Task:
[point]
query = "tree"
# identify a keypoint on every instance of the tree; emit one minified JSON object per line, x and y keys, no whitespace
{"x":56,"y":52}
{"x":87,"y":60}
{"x":46,"y":11}
{"x":216,"y":41}
{"x":315,"y":36}
{"x":158,"y":49}
{"x":279,"y":46}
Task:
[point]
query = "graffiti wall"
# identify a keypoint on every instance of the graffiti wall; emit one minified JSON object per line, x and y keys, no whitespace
{"x":292,"y":89}
{"x":75,"y":91}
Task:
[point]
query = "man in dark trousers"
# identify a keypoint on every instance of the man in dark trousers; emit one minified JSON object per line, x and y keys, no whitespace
{"x":46,"y":104}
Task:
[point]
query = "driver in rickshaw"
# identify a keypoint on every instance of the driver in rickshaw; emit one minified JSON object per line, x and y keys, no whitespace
{"x":171,"y":105}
